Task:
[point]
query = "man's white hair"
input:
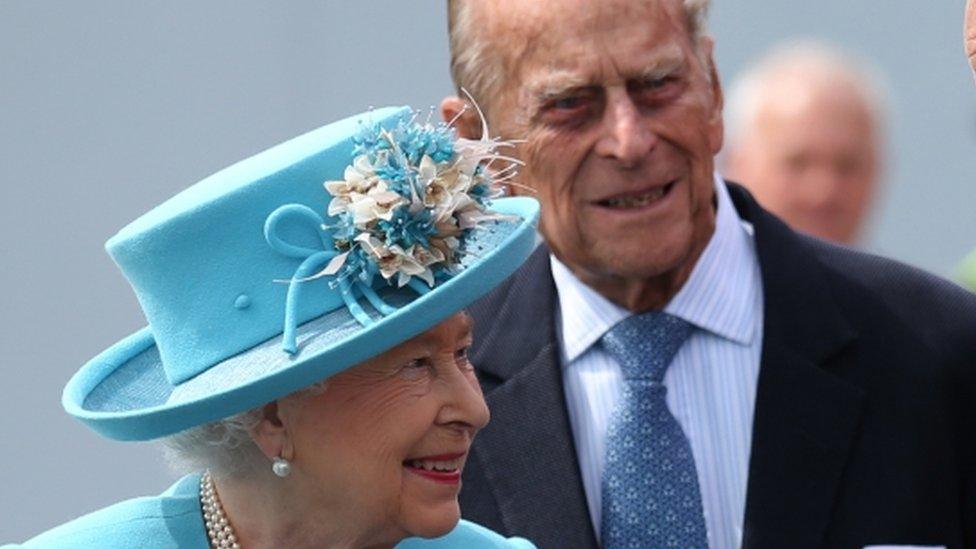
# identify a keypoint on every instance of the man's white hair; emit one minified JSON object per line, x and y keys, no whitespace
{"x":813,"y":62}
{"x":475,"y":69}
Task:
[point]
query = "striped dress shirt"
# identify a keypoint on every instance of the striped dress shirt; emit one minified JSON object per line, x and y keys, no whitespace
{"x":711,"y":384}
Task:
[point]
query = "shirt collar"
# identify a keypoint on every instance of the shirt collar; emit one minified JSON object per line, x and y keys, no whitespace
{"x":584,"y":315}
{"x":720,"y":295}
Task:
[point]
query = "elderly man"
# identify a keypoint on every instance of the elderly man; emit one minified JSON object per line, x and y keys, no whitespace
{"x":675,"y":367}
{"x":804,"y":136}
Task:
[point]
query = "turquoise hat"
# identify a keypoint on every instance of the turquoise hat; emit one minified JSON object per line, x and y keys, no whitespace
{"x":257,"y":281}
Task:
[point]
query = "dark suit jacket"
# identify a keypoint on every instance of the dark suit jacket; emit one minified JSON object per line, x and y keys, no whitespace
{"x":865,"y":420}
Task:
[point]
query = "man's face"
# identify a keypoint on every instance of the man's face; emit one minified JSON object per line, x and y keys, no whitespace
{"x":812,"y":159}
{"x":971,"y":32}
{"x":621,"y":121}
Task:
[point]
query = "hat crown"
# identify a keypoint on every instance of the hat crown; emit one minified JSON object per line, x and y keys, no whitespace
{"x":200,"y":264}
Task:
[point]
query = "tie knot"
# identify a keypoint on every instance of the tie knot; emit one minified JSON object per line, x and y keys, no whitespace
{"x":644,"y":345}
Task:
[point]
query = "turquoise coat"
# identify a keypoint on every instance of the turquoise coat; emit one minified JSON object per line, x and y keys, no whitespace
{"x":174,"y":519}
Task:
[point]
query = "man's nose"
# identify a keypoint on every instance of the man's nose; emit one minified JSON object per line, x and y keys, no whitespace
{"x":824,"y":186}
{"x":625,"y":137}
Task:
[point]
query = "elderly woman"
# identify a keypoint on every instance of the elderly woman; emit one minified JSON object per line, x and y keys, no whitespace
{"x":305,"y":354}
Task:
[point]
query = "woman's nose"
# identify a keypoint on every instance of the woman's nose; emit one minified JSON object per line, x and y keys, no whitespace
{"x":465,"y":405}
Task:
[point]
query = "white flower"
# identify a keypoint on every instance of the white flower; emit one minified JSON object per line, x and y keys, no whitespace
{"x":395,"y":261}
{"x":426,"y":256}
{"x":359,"y":181}
{"x":378,"y":203}
{"x":359,"y":176}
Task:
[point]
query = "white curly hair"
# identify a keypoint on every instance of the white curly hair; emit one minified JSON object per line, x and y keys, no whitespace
{"x":224,"y":447}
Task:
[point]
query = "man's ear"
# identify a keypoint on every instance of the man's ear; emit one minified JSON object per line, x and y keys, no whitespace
{"x":271,"y":434}
{"x":717,"y":125}
{"x":464,"y":117}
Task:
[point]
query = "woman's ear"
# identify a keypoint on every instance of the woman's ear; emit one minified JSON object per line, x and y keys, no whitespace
{"x":461,"y":116}
{"x":271,"y":434}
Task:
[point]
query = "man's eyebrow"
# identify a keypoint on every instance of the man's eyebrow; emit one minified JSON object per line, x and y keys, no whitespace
{"x":558,"y":86}
{"x":663,"y":68}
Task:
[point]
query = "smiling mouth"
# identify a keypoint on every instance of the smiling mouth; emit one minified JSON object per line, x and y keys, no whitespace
{"x":443,"y":468}
{"x":637,"y":200}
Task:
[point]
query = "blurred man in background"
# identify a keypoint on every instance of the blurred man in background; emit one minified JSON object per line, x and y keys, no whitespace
{"x":967,"y":271}
{"x":804,"y":135}
{"x":971,"y":32}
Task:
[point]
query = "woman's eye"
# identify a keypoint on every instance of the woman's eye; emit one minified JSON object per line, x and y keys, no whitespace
{"x":416,"y":369}
{"x":462,"y":361}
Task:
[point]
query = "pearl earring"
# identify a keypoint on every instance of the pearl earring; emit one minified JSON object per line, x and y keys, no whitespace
{"x":281,"y":467}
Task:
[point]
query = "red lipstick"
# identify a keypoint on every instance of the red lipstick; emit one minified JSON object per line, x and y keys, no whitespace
{"x":453,"y":476}
{"x":438,"y":457}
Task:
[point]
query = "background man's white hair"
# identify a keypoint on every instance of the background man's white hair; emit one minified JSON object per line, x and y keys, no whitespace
{"x":807,"y":60}
{"x":476,"y":70}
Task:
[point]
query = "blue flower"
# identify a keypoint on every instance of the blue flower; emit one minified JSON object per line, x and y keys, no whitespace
{"x":369,"y":139}
{"x":397,"y":173}
{"x":344,"y":229}
{"x":406,"y":229}
{"x":415,"y":141}
{"x":357,"y":267}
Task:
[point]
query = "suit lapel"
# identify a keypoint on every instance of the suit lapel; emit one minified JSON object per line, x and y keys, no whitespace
{"x":806,"y":416}
{"x":527,"y":451}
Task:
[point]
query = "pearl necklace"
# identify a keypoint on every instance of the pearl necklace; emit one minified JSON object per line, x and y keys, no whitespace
{"x":218,"y":527}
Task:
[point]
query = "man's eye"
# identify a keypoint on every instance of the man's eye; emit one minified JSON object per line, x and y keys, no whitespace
{"x":571,"y":109}
{"x":567,"y":103}
{"x":655,"y":92}
{"x":797,"y":163}
{"x":656,"y":83}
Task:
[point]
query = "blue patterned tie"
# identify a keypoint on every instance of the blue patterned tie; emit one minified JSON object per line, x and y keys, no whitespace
{"x":650,"y":488}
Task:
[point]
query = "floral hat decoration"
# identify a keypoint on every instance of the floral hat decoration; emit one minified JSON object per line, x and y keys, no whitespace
{"x":405,"y":205}
{"x":261,"y":279}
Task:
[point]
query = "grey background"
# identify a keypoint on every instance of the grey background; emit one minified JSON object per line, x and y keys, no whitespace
{"x":108,"y":108}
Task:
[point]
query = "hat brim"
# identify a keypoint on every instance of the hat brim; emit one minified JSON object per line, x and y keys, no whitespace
{"x":123,"y":393}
